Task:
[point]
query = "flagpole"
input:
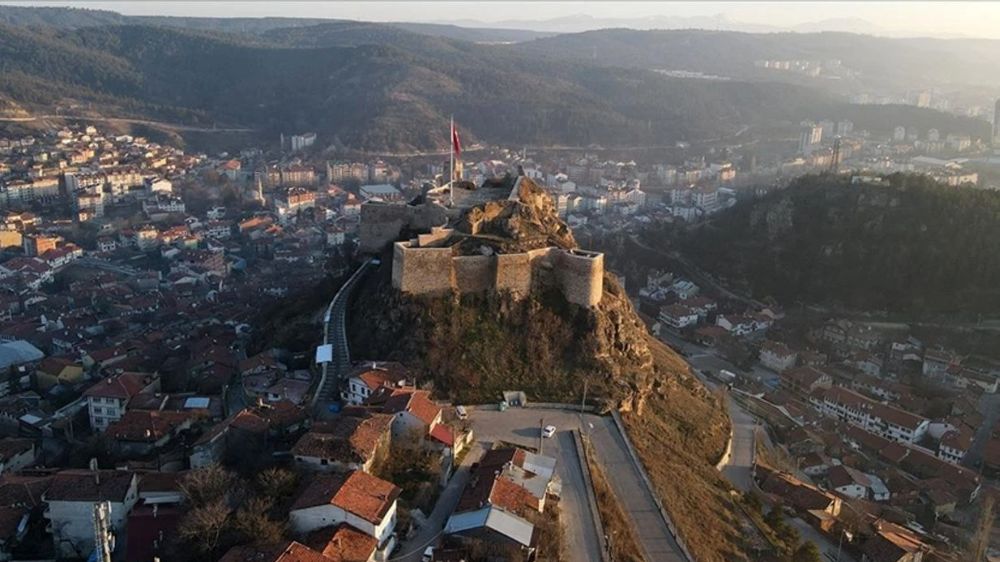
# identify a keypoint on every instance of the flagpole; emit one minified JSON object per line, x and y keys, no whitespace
{"x":451,"y":153}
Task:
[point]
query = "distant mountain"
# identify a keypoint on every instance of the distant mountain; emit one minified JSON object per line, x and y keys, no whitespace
{"x":913,"y":246}
{"x":380,"y":87}
{"x":75,"y":18}
{"x":869,"y":62}
{"x":344,"y":80}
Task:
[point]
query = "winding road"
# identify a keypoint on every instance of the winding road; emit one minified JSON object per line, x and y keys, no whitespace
{"x":147,"y":122}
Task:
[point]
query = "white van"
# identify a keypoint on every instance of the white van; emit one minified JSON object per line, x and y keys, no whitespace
{"x":461,"y":413}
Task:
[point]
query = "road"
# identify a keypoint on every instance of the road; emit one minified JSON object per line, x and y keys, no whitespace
{"x":413,"y":548}
{"x":161,"y":124}
{"x":739,"y":468}
{"x":521,"y":427}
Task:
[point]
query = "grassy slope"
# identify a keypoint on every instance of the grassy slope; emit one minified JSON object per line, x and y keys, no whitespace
{"x":680,"y":436}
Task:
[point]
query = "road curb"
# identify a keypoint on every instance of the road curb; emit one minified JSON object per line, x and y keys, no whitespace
{"x":634,"y":457}
{"x":581,"y":454}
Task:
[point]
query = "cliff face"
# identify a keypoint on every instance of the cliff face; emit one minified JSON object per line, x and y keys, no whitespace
{"x":473,"y":347}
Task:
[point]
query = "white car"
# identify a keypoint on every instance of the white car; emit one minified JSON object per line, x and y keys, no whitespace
{"x":549,"y":431}
{"x":428,"y":554}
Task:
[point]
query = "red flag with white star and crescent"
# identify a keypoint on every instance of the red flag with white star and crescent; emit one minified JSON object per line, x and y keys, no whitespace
{"x":456,"y":145}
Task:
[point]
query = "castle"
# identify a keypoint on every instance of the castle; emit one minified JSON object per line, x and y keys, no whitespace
{"x":423,"y":266}
{"x":516,"y":245}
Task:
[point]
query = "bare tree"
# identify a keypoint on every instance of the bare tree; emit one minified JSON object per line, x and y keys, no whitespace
{"x":208,"y":485}
{"x":203,"y":527}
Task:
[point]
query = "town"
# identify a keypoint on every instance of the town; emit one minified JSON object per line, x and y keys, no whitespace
{"x":150,"y":388}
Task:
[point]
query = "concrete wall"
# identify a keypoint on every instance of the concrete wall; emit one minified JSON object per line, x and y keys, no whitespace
{"x":474,"y":274}
{"x":581,"y":275}
{"x":421,"y":270}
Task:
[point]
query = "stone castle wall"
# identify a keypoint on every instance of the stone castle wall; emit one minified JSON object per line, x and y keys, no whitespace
{"x":424,"y":271}
{"x":383,"y":223}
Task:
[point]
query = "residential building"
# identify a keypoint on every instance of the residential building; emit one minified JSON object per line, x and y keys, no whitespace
{"x":107,"y":399}
{"x":777,"y":356}
{"x":366,"y":379}
{"x":349,"y":443}
{"x":678,"y":316}
{"x":71,"y":497}
{"x":358,"y":499}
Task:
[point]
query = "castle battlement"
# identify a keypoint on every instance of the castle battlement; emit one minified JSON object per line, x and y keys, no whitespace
{"x":425,"y":266}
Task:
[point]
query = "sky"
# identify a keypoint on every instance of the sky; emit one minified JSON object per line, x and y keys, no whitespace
{"x":971,"y":19}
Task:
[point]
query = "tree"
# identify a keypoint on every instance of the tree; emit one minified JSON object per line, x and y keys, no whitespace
{"x":209,"y":485}
{"x":752,"y":501}
{"x":277,"y":483}
{"x":202,"y":528}
{"x":252,"y":524}
{"x":807,"y":552}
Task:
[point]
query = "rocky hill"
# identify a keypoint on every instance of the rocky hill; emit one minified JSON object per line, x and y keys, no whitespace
{"x":470,"y":348}
{"x":910,"y":246}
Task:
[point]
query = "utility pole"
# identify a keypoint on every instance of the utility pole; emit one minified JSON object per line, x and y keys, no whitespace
{"x":541,"y":431}
{"x":583,"y":402}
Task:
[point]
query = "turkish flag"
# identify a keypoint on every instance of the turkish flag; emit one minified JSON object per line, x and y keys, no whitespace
{"x":456,"y":145}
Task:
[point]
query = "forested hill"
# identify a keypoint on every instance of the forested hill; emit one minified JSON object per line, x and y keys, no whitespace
{"x":379,"y":87}
{"x":369,"y":93}
{"x":912,"y":246}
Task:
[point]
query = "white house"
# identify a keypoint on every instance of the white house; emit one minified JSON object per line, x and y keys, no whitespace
{"x":412,"y":410}
{"x":358,"y":499}
{"x":108,"y":398}
{"x":367,"y":378}
{"x":71,"y":498}
{"x":678,"y":316}
{"x":848,"y":482}
{"x":954,"y":445}
{"x":16,"y":454}
{"x":777,"y":356}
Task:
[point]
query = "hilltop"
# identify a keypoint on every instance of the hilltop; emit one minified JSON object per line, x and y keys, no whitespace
{"x":472,"y":347}
{"x":910,"y":246}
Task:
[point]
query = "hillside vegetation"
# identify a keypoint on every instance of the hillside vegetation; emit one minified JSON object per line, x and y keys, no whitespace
{"x":913,"y":246}
{"x":385,"y":88}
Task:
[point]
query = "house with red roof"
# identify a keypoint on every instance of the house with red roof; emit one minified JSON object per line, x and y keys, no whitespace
{"x":71,"y":497}
{"x":366,"y":379}
{"x":108,"y":398}
{"x":358,"y":499}
{"x":141,"y":432}
{"x":290,"y":551}
{"x":413,"y":411}
{"x":349,"y":443}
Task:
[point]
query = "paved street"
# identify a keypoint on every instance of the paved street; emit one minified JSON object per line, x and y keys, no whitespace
{"x":521,"y":426}
{"x":739,"y":468}
{"x":412,"y":549}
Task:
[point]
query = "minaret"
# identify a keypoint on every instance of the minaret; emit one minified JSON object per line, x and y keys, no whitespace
{"x":260,"y":190}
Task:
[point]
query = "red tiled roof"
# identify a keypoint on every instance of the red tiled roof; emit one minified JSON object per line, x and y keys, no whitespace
{"x":285,"y":552}
{"x":146,"y":426}
{"x":84,"y":486}
{"x":343,"y":542}
{"x":358,"y":493}
{"x":122,"y":387}
{"x":346,"y":440}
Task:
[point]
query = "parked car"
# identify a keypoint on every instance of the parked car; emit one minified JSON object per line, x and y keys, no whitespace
{"x":549,"y":431}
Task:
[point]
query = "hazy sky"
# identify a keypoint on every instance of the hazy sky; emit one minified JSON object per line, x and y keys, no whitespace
{"x":928,"y":18}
